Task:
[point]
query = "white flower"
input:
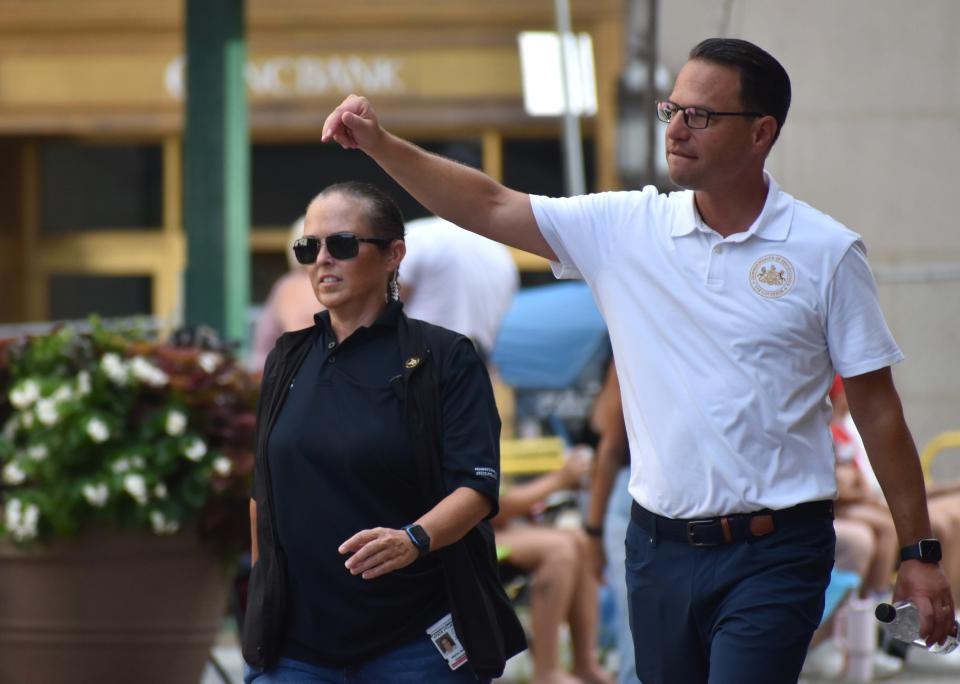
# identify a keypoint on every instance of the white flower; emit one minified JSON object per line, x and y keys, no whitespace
{"x":26,"y":420}
{"x":13,"y":474}
{"x":97,"y":430}
{"x":146,"y":372}
{"x":22,"y":522}
{"x":10,"y":427}
{"x":161,"y":525}
{"x":176,"y":423}
{"x":209,"y":361}
{"x":96,"y":495}
{"x":115,"y":369}
{"x":12,"y":512}
{"x":196,"y":450}
{"x":63,"y":393}
{"x":23,"y":395}
{"x":121,"y":465}
{"x":160,"y":491}
{"x":38,"y":452}
{"x":47,"y":412}
{"x":222,"y":466}
{"x":136,"y":487}
{"x":83,"y":383}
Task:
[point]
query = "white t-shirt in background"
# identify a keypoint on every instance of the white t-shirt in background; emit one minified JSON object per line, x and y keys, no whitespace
{"x":457,"y":279}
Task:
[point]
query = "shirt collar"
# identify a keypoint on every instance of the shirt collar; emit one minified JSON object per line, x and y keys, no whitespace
{"x":773,"y":223}
{"x":389,"y":317}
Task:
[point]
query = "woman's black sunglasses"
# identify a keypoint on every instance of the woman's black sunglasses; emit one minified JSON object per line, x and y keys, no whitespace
{"x":339,"y":245}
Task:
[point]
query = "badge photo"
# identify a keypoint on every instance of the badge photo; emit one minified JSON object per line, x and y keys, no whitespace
{"x":444,"y":637}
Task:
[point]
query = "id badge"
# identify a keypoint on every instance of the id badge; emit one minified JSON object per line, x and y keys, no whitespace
{"x":444,"y":637}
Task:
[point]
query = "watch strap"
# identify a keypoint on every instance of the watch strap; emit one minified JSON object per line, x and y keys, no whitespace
{"x":593,"y":530}
{"x":925,"y":550}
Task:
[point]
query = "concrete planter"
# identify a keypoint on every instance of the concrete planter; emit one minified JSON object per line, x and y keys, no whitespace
{"x":112,"y":607}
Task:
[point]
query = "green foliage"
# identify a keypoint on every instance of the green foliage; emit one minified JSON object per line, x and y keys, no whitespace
{"x":108,"y":428}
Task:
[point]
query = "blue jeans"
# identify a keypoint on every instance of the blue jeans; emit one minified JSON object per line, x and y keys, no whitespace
{"x":740,"y":613}
{"x":416,"y":662}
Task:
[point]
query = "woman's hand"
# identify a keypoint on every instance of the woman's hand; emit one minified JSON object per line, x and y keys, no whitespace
{"x":378,"y":551}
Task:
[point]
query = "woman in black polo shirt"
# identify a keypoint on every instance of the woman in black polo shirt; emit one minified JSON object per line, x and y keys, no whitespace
{"x":338,"y":508}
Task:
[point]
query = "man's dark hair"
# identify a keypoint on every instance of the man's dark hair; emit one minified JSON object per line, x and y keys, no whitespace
{"x":764,"y":83}
{"x":384,"y":215}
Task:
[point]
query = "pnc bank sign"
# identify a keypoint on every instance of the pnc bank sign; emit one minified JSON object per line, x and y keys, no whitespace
{"x":307,"y":76}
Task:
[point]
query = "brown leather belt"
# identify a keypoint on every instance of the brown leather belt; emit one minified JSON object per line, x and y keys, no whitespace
{"x":728,"y":528}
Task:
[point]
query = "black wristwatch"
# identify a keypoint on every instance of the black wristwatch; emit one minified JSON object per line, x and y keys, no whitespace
{"x":419,"y":537}
{"x":925,"y":550}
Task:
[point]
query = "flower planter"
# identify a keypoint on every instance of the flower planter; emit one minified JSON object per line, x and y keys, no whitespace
{"x":111,"y":607}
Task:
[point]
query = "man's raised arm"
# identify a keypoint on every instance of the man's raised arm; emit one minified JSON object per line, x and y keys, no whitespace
{"x":458,"y":193}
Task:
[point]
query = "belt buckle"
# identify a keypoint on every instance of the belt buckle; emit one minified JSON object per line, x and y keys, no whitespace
{"x":691,"y":531}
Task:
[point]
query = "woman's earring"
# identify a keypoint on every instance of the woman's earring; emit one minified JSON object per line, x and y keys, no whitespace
{"x":395,"y":286}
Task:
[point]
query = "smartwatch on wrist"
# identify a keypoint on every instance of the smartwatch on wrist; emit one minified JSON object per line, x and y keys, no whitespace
{"x":419,"y":537}
{"x":925,"y":551}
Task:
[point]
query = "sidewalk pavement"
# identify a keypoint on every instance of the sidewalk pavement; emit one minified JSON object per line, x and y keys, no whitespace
{"x":925,"y":669}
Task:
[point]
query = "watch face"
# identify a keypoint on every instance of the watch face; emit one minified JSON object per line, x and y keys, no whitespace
{"x":930,"y":550}
{"x":419,"y":536}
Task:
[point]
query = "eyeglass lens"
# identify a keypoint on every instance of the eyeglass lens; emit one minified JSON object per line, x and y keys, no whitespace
{"x":339,"y":246}
{"x":694,"y":117}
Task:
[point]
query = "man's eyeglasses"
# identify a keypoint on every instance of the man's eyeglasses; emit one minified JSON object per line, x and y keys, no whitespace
{"x":694,"y":117}
{"x":339,"y":245}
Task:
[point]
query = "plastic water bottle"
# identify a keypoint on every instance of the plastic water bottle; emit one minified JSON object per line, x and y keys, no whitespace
{"x":902,"y":622}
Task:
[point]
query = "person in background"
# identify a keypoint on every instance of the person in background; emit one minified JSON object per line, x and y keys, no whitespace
{"x":290,"y":305}
{"x":857,"y":507}
{"x":730,"y":305}
{"x":563,"y":586}
{"x":457,"y":279}
{"x":862,"y":499}
{"x":608,"y":511}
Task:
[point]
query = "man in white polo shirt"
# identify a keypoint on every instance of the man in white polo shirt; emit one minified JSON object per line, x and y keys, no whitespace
{"x":730,"y":305}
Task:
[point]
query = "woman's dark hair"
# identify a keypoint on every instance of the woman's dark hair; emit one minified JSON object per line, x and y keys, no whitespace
{"x":384,"y":215}
{"x":764,"y":83}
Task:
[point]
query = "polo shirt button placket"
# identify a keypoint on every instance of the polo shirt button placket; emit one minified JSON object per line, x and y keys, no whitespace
{"x":713,"y":267}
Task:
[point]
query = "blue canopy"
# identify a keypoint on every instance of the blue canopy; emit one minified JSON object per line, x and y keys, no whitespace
{"x":553,"y":337}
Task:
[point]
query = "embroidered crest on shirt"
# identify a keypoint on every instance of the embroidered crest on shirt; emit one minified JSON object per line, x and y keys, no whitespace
{"x":772,"y":276}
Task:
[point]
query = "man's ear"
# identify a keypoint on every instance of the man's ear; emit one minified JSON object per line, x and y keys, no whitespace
{"x":764,"y":133}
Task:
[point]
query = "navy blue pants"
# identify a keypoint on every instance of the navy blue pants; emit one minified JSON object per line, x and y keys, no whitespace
{"x":739,"y":613}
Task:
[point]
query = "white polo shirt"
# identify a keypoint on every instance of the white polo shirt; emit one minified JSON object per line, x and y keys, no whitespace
{"x":725,"y":347}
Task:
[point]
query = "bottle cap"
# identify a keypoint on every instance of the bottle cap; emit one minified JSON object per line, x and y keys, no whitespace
{"x":885,"y":612}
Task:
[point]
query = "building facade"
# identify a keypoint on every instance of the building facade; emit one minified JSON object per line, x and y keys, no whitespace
{"x":91,"y":124}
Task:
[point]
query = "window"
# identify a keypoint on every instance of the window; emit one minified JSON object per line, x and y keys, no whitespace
{"x":536,"y":166}
{"x":86,"y":186}
{"x":285,"y":177}
{"x":77,"y":296}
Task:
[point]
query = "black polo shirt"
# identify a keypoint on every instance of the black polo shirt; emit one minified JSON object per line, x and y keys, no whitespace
{"x":341,"y":461}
